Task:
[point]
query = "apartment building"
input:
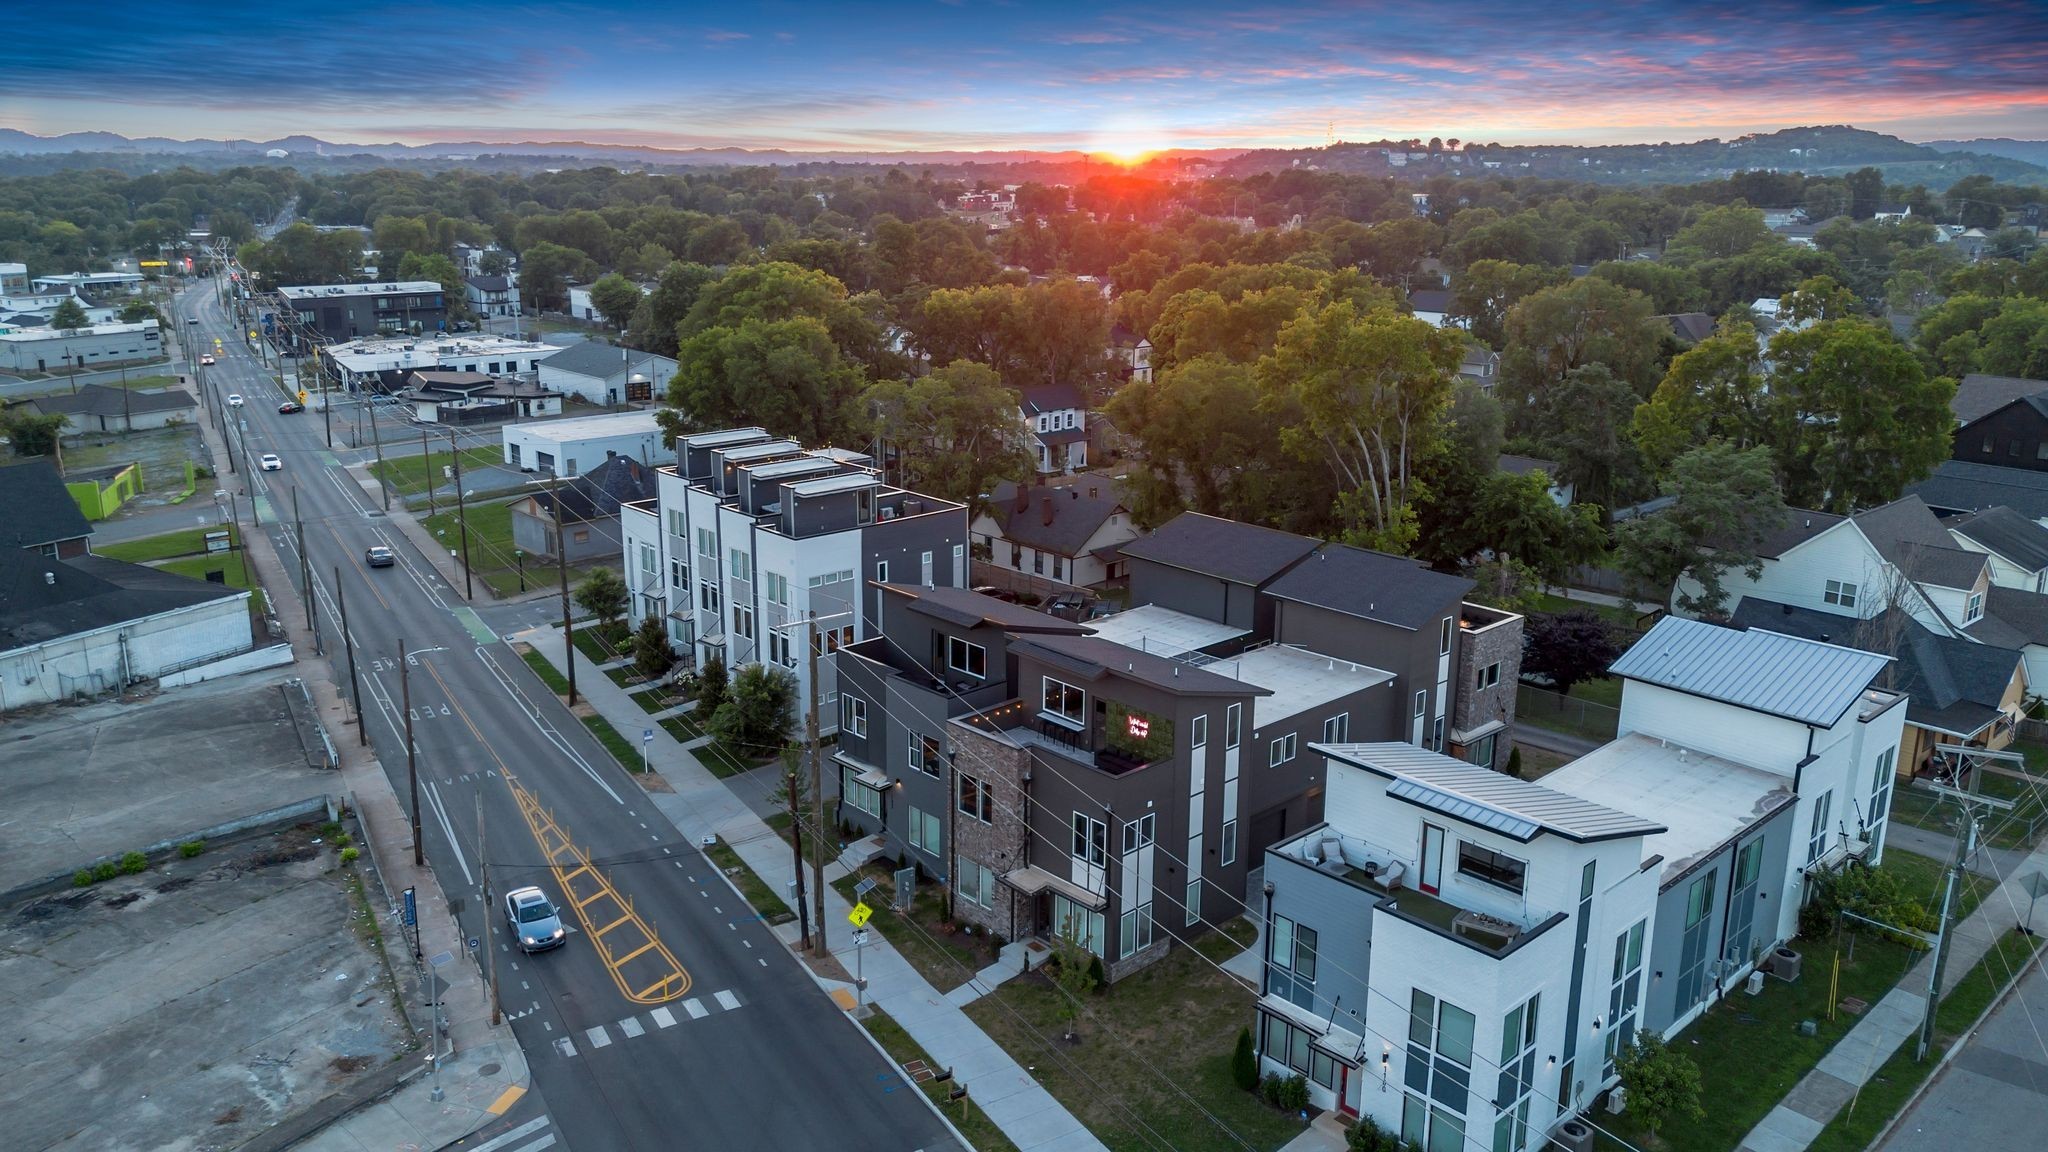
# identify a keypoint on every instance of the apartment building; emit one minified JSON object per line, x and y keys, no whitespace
{"x":1461,"y":955}
{"x":755,"y":546}
{"x":341,"y":312}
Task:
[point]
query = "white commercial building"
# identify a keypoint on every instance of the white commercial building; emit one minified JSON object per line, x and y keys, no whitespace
{"x":358,"y":362}
{"x":574,"y":446}
{"x":607,"y":374}
{"x":69,"y":350}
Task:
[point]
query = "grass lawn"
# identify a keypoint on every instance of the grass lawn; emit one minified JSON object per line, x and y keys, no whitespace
{"x":408,"y":475}
{"x":828,"y":842}
{"x":946,"y":959}
{"x":183,"y":542}
{"x":1896,"y":1079}
{"x":1540,"y":762}
{"x":718,"y":758}
{"x":491,"y":555}
{"x":763,"y":898}
{"x":2019,"y":828}
{"x":1748,"y":1048}
{"x":970,"y":1119}
{"x":556,"y":682}
{"x":625,"y":751}
{"x":1157,"y":1033}
{"x":1576,"y":714}
{"x":233,"y":566}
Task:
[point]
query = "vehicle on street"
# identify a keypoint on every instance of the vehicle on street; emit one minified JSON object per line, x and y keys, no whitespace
{"x":191,"y":319}
{"x":289,"y":407}
{"x":270,"y":462}
{"x":378,"y":556}
{"x":206,"y":359}
{"x":234,"y":399}
{"x":533,"y":920}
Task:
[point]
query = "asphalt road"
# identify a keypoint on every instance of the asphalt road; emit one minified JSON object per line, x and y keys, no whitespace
{"x":1994,"y":1094}
{"x":672,"y":1018}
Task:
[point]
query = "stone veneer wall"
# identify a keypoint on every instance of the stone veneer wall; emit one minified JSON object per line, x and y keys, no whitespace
{"x":1004,"y":844}
{"x":1477,"y":649}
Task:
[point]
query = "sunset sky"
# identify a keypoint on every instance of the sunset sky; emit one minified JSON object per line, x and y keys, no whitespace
{"x":970,"y":74}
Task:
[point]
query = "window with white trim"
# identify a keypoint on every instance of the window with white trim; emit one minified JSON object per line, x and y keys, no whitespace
{"x":925,"y":755}
{"x":853,"y":714}
{"x":858,"y":795}
{"x":1192,"y":899}
{"x":707,"y":543}
{"x":1134,"y":931}
{"x":1280,"y":751}
{"x":1817,"y":831}
{"x":974,"y":799}
{"x":707,"y":595}
{"x":678,"y":574}
{"x":1065,"y":701}
{"x":925,"y":831}
{"x":1490,"y":867}
{"x":1880,"y":794}
{"x":649,"y":562}
{"x":742,"y":564}
{"x":1291,"y":963}
{"x":1487,"y":678}
{"x":1139,"y":833}
{"x":743,"y":621}
{"x":1337,"y":729}
{"x":964,"y":657}
{"x":1233,"y":725}
{"x":779,"y":648}
{"x":1839,"y":593}
{"x":1443,"y":639}
{"x":1229,"y":846}
{"x":777,"y":586}
{"x":1973,"y":609}
{"x":1091,"y":840}
{"x":675,"y":522}
{"x":974,"y":882}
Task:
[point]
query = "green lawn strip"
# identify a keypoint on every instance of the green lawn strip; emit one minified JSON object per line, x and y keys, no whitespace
{"x":183,"y":542}
{"x":1923,"y":877}
{"x":1575,"y":715}
{"x":410,"y":474}
{"x":1748,"y":1048}
{"x":946,"y":960}
{"x":1229,"y":938}
{"x":1895,"y":1081}
{"x":491,"y":552}
{"x":972,"y":1122}
{"x":1159,"y":1032}
{"x":230,"y":565}
{"x":756,"y":890}
{"x":829,"y":840}
{"x":623,"y":750}
{"x":556,"y":682}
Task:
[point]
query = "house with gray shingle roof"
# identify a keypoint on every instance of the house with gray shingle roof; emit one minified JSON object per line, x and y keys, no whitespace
{"x":601,"y":373}
{"x":1064,"y":529}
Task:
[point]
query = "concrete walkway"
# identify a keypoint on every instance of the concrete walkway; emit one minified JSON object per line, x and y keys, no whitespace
{"x":702,"y":805}
{"x":485,"y":1073}
{"x":1892,"y":1021}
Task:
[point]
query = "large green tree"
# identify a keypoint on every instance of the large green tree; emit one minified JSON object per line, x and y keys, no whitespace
{"x":1726,"y":503}
{"x":660,"y":313}
{"x":1860,"y":415}
{"x":1714,"y":390}
{"x":616,"y":298}
{"x":1484,"y":291}
{"x":1049,"y":333}
{"x":787,"y":376}
{"x":547,"y":269}
{"x":441,"y":270}
{"x":1588,"y":321}
{"x":1191,"y":425}
{"x":69,"y":314}
{"x":1583,"y":422}
{"x":1364,"y":394}
{"x":955,"y":430}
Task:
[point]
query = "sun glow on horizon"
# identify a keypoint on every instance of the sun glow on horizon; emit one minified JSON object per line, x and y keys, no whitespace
{"x":1128,"y":142}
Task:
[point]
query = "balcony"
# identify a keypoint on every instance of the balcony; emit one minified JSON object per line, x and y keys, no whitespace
{"x":955,"y":697}
{"x":1026,"y":726}
{"x":1389,"y":879}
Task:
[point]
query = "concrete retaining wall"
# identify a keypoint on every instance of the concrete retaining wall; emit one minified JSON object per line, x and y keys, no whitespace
{"x":322,"y":808}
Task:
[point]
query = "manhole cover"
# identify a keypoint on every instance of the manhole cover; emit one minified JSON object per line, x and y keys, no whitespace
{"x":489,"y":1070}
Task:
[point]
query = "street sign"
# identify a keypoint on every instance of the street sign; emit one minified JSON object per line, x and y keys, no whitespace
{"x":647,"y":735}
{"x":473,"y":942}
{"x":252,"y":334}
{"x":859,"y":915}
{"x":302,"y":395}
{"x":411,"y":916}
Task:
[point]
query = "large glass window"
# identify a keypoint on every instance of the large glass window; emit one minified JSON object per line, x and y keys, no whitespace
{"x":925,"y":755}
{"x":1233,"y":723}
{"x":1817,"y":831}
{"x":1134,"y":931}
{"x":1880,"y":794}
{"x":857,"y":794}
{"x":1624,"y":995}
{"x":926,"y":832}
{"x":1337,"y":729}
{"x":1091,"y":840}
{"x":974,"y":881}
{"x":1066,"y":702}
{"x":1437,"y":1074}
{"x":1692,"y":945}
{"x":1073,"y":919}
{"x":1490,"y":866}
{"x":964,"y":657}
{"x":853,"y":714}
{"x":975,"y":800}
{"x":1291,"y":963}
{"x":1517,"y":1078}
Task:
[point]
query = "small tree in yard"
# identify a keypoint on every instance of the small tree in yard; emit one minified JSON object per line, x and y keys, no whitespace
{"x":652,"y":656}
{"x":603,"y":595}
{"x":1244,"y":1063}
{"x":711,"y":688}
{"x":1663,"y":1085}
{"x":756,"y":714}
{"x":1072,"y":973}
{"x":1569,"y":648}
{"x":68,"y":315}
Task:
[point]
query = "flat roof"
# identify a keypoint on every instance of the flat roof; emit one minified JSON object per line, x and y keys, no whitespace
{"x":326,"y":291}
{"x":729,"y":436}
{"x":1162,"y":631}
{"x":1703,"y":801}
{"x":765,"y":451}
{"x":831,"y":484}
{"x":1300,"y":679}
{"x":801,"y":466}
{"x":589,"y":427}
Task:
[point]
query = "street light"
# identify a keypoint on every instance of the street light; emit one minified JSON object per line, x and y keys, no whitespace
{"x":520,"y":557}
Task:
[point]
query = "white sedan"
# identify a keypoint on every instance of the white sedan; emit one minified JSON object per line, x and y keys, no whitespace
{"x":234,"y":399}
{"x":270,"y":463}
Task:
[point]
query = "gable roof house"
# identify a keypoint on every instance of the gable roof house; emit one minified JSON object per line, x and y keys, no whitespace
{"x":585,"y":509}
{"x":601,"y":373}
{"x":2012,"y":435}
{"x":1055,"y":419}
{"x":1960,"y":486}
{"x":1132,"y":351}
{"x":41,"y":514}
{"x":491,"y":295}
{"x":1064,"y":529}
{"x":2017,"y":546}
{"x":1435,"y":305}
{"x":98,"y":408}
{"x":1978,"y":395}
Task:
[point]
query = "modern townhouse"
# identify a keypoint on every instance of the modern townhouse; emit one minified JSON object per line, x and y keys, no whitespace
{"x":1460,"y":955}
{"x":1117,"y":779}
{"x":1894,"y":580}
{"x":755,"y":546}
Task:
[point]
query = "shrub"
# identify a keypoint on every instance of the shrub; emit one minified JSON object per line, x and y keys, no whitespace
{"x":603,"y":595}
{"x":1270,"y":1088}
{"x":1515,"y":763}
{"x":1873,"y":892}
{"x":1095,"y":973}
{"x":1368,"y":1136}
{"x":652,"y":656}
{"x":133,"y":863}
{"x":1294,"y":1094}
{"x":331,"y":828}
{"x":191,"y":848}
{"x":342,"y":841}
{"x":1663,"y":1084}
{"x":349,"y":855}
{"x":105,"y":870}
{"x":82,"y":878}
{"x":1244,"y":1064}
{"x":711,"y":685}
{"x":757,"y":712}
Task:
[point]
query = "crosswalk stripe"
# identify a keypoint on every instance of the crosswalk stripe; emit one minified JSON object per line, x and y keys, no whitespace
{"x":598,"y":1036}
{"x":546,"y":1141}
{"x":565,"y":1046}
{"x":516,"y":1134}
{"x":663,"y":1017}
{"x":728,"y":1001}
{"x":631,"y":1027}
{"x":696,"y":1010}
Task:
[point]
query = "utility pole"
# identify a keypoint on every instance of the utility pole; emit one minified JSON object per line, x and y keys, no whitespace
{"x":383,"y":485}
{"x":1966,"y":845}
{"x":412,"y":768}
{"x":562,"y":569}
{"x":427,"y":459}
{"x":461,"y":516}
{"x":305,"y":567}
{"x":355,"y":686}
{"x":308,"y":348}
{"x":817,"y":794}
{"x":792,"y":775}
{"x":483,"y":858}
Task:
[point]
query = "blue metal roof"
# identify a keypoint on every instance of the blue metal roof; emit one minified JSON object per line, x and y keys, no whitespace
{"x":1802,"y":680}
{"x":1470,"y":811}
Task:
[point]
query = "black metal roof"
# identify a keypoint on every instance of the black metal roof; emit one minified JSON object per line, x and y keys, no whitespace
{"x":40,"y":509}
{"x":1226,"y":549}
{"x":1372,"y":586}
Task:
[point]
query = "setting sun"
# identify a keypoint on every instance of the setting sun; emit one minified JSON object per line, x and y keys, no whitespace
{"x":1128,"y":143}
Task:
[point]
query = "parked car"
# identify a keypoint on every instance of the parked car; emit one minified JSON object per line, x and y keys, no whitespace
{"x":270,"y":462}
{"x":289,"y":407}
{"x":206,"y":359}
{"x":234,"y":399}
{"x":533,"y":920}
{"x":378,"y":556}
{"x":191,"y":319}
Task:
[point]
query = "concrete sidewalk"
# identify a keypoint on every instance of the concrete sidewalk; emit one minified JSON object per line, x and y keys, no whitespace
{"x":1892,"y":1021}
{"x":486,"y":1072}
{"x":702,"y":805}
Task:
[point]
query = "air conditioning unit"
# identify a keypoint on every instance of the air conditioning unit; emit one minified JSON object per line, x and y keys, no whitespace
{"x":1617,"y":1100}
{"x":1785,"y":963}
{"x":1755,"y":984}
{"x":1573,"y":1135}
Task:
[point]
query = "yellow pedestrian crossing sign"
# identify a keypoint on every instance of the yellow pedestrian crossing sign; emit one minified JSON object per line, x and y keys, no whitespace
{"x":302,"y":395}
{"x":860,"y":915}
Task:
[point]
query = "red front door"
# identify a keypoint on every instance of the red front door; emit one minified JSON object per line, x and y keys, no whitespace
{"x":1344,"y":1105}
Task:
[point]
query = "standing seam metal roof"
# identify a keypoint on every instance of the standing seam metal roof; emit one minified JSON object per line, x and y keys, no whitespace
{"x":1801,"y":680}
{"x":1489,"y":799}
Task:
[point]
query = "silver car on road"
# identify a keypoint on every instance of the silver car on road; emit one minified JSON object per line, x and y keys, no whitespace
{"x":533,"y":920}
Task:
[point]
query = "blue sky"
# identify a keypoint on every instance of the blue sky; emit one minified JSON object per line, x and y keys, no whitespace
{"x":969,"y":74}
